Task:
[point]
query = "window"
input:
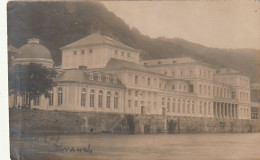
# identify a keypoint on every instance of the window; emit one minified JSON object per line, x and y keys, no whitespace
{"x":162,"y":101}
{"x":188,"y":106}
{"x":26,"y":99}
{"x":128,"y":54}
{"x":122,"y":53}
{"x":182,"y":73}
{"x":184,"y":88}
{"x":205,"y":90}
{"x":233,"y":95}
{"x":191,"y":72}
{"x":82,"y":51}
{"x":15,"y":99}
{"x":183,"y":106}
{"x":91,"y":76}
{"x":136,"y":103}
{"x":51,"y":98}
{"x":200,"y":89}
{"x":116,"y":52}
{"x":107,"y":79}
{"x":115,"y":80}
{"x":116,"y":100}
{"x":173,"y":105}
{"x":108,"y":99}
{"x":165,"y":72}
{"x":136,"y":79}
{"x":200,"y":107}
{"x":90,"y":51}
{"x":209,"y":108}
{"x":99,"y":77}
{"x":129,"y":103}
{"x":173,"y":87}
{"x":83,"y":97}
{"x":74,"y":52}
{"x":193,"y":108}
{"x":136,"y":93}
{"x":173,"y":73}
{"x":100,"y":98}
{"x":92,"y":98}
{"x":60,"y":96}
{"x":36,"y":101}
{"x":168,"y":105}
{"x":209,"y":90}
{"x":179,"y":106}
{"x":148,"y":81}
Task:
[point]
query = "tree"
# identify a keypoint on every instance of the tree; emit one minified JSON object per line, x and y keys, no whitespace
{"x":32,"y":79}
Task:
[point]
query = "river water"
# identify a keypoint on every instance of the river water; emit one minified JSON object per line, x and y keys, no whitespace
{"x":161,"y":147}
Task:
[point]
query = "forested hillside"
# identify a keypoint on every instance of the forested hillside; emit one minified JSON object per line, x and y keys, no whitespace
{"x":59,"y":23}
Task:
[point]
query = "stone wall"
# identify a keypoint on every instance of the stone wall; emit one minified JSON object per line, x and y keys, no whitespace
{"x":47,"y":122}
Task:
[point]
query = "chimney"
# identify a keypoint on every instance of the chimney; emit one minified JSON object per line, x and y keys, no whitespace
{"x":33,"y":41}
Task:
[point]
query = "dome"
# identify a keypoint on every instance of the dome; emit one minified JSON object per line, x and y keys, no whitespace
{"x":33,"y":50}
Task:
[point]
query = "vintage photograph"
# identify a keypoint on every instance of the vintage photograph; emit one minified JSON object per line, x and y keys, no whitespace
{"x":134,"y":80}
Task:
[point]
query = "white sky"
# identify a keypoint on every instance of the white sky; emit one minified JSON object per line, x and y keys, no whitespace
{"x":222,"y":23}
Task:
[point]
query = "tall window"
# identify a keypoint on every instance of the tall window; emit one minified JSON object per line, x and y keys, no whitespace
{"x":91,"y":98}
{"x":148,"y":81}
{"x":173,"y":105}
{"x":51,"y":98}
{"x":136,"y":103}
{"x":129,"y":103}
{"x":26,"y":99}
{"x":60,"y":96}
{"x":179,"y":106}
{"x":100,"y":98}
{"x":209,"y":110}
{"x":183,"y":106}
{"x":116,"y":100}
{"x":36,"y":101}
{"x":108,"y":99}
{"x":168,"y":105}
{"x":188,"y":106}
{"x":136,"y":79}
{"x":200,"y":89}
{"x":193,"y":108}
{"x":200,"y":107}
{"x":162,"y":101}
{"x":83,"y":97}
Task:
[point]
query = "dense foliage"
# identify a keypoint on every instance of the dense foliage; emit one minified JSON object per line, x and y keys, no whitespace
{"x":32,"y":79}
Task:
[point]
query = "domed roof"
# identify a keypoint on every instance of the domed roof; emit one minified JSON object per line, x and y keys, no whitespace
{"x":33,"y":50}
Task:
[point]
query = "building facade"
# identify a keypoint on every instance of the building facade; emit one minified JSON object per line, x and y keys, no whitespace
{"x":100,"y":74}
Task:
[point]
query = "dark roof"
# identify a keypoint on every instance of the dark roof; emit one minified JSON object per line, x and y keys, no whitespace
{"x":122,"y":64}
{"x":33,"y":50}
{"x":81,"y":76}
{"x":114,"y":64}
{"x":97,"y":38}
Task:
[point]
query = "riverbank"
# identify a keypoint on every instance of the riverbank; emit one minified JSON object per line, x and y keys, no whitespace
{"x":61,"y":122}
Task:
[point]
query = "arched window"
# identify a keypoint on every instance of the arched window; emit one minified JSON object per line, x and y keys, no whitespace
{"x":108,"y":99}
{"x":83,"y":97}
{"x":51,"y":98}
{"x":116,"y":100}
{"x":100,"y":98}
{"x":60,"y":96}
{"x":92,"y":97}
{"x":25,"y":100}
{"x":36,"y":101}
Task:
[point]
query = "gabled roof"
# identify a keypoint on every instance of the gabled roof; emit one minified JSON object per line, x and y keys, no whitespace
{"x":81,"y":76}
{"x":97,"y":39}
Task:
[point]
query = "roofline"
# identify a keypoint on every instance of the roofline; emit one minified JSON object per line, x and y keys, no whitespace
{"x":69,"y":81}
{"x":199,"y":62}
{"x":97,"y":44}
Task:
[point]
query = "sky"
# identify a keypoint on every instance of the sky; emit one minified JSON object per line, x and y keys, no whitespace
{"x":215,"y":23}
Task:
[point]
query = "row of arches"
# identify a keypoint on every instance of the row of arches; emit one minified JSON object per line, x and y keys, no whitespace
{"x":83,"y":99}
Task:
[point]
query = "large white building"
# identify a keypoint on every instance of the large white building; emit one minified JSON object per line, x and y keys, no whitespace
{"x":100,"y":74}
